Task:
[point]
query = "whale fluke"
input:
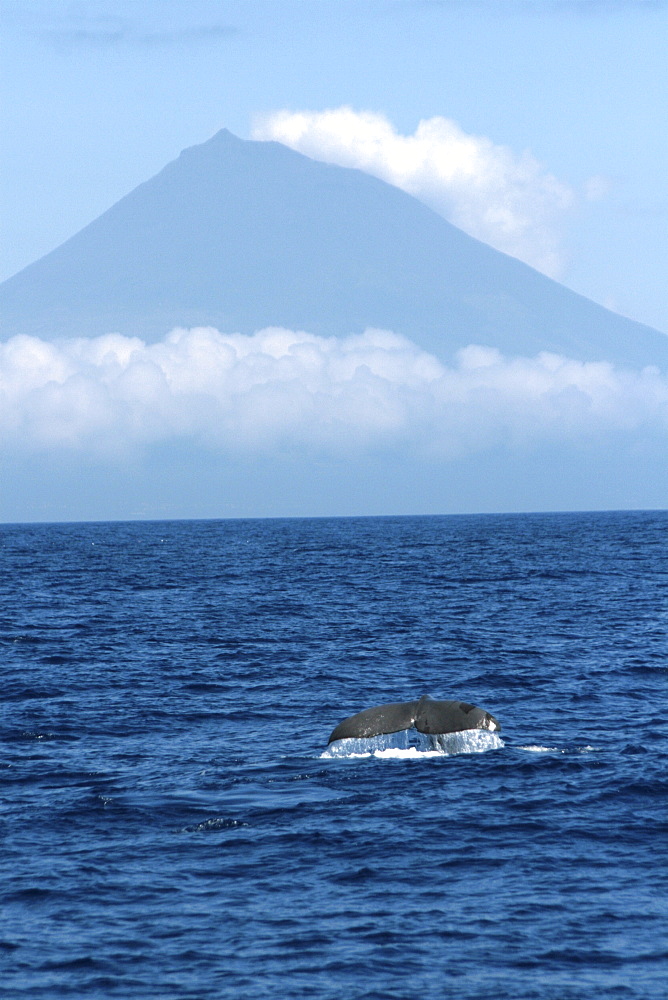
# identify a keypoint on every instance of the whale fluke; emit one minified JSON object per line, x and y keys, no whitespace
{"x":425,"y":715}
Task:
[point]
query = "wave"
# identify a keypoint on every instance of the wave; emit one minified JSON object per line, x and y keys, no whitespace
{"x":536,"y":748}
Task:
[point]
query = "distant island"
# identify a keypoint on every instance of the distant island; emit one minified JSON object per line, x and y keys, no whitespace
{"x":241,"y":235}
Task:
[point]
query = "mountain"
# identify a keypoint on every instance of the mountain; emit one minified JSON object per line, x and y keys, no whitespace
{"x":240,"y":235}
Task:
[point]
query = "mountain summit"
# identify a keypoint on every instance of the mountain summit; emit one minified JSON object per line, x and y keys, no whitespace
{"x":240,"y":235}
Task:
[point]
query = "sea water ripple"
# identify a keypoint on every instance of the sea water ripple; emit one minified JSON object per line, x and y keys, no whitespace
{"x":174,"y":825}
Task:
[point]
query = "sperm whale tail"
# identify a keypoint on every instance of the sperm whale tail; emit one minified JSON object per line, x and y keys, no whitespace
{"x":425,"y":715}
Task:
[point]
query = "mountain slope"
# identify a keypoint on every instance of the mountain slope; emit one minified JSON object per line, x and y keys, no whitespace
{"x":242,"y":235}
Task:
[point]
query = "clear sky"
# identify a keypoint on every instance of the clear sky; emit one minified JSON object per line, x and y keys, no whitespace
{"x":566,"y":99}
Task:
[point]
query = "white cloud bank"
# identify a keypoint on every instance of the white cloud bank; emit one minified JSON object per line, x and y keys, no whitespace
{"x":507,"y":200}
{"x":285,"y":389}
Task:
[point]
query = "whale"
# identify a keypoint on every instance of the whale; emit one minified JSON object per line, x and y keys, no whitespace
{"x":427,"y":715}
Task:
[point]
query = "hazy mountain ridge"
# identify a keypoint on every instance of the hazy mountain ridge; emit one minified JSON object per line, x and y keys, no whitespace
{"x":241,"y":235}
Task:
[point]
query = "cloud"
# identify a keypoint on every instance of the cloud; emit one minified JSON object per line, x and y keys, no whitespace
{"x":507,"y":200}
{"x":112,"y":32}
{"x":288,"y":390}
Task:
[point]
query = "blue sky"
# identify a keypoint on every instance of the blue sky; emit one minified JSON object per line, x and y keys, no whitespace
{"x":98,"y":96}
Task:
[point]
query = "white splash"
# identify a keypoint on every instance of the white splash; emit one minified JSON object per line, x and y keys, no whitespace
{"x":411,"y":745}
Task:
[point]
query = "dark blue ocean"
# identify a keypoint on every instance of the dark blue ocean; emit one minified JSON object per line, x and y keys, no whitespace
{"x":173,"y":826}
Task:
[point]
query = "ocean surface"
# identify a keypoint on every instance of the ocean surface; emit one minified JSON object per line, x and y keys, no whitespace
{"x":173,"y":824}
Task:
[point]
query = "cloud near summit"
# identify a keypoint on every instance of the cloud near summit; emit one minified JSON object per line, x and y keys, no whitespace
{"x":290,"y":390}
{"x":507,"y":200}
